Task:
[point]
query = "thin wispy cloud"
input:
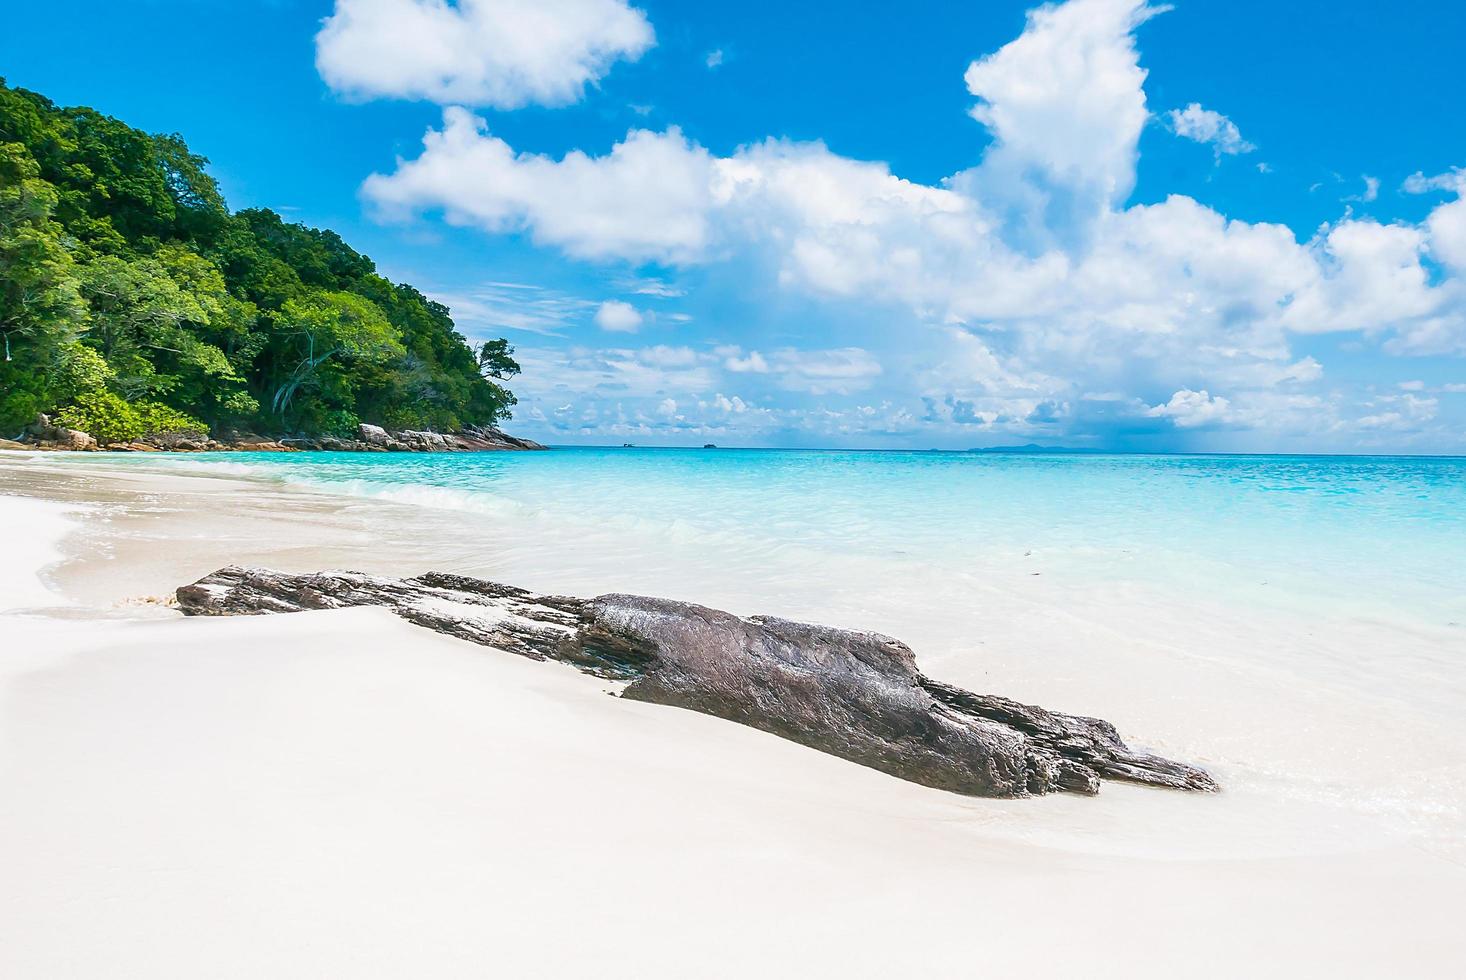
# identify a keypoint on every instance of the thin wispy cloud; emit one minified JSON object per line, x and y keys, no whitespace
{"x":652,"y":287}
{"x":488,"y":309}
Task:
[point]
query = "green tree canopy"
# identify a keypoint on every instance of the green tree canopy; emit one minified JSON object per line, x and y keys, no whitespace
{"x":333,"y":335}
{"x":121,"y":264}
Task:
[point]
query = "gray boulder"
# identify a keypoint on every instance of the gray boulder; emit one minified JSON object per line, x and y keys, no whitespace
{"x":852,"y":694}
{"x":373,"y":435}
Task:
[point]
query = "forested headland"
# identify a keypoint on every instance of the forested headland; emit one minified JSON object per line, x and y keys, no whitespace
{"x":134,"y":303}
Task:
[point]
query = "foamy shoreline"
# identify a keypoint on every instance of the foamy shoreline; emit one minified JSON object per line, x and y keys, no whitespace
{"x":332,"y":793}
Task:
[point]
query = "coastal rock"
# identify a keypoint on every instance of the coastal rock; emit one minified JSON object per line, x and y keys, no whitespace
{"x":45,"y":434}
{"x":69,"y":440}
{"x":374,"y":438}
{"x":852,"y":694}
{"x":250,"y":442}
{"x":419,"y":441}
{"x":488,"y":437}
{"x":75,"y":439}
{"x":373,"y":435}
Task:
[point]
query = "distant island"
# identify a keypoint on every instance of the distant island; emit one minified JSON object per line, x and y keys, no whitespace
{"x":137,"y":309}
{"x":1035,"y":449}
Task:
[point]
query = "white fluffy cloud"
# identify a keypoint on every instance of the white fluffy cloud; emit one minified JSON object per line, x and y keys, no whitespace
{"x":733,"y":360}
{"x":500,"y":53}
{"x":649,"y":198}
{"x":618,"y":317}
{"x":1065,"y":106}
{"x":1045,"y":296}
{"x":1208,"y":126}
{"x":1189,"y":409}
{"x":1446,"y":226}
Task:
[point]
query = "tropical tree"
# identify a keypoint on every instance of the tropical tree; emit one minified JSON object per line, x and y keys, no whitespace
{"x":330,"y":328}
{"x":495,"y":360}
{"x":41,"y":308}
{"x":137,"y":311}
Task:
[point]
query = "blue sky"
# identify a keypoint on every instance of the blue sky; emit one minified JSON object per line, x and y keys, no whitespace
{"x":1220,"y":226}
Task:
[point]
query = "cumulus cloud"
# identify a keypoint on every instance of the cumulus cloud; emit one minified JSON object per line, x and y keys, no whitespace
{"x":1189,"y":409}
{"x":499,"y":53}
{"x":618,"y":317}
{"x":1446,"y":230}
{"x":1045,"y":297}
{"x":1207,"y":126}
{"x":735,"y":362}
{"x":1065,"y":107}
{"x":648,"y":199}
{"x":1446,"y":226}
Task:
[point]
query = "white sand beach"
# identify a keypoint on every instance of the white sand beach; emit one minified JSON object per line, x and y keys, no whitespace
{"x":343,"y":794}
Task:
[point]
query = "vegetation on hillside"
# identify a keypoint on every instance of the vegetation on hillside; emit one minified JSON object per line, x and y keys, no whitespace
{"x":133,"y":302}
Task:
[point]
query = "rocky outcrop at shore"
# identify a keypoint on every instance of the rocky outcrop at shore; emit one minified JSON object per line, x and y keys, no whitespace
{"x":43,"y":434}
{"x":855,"y":695}
{"x":373,"y":438}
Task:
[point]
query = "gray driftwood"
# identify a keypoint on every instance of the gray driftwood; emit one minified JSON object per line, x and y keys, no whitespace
{"x":855,"y":695}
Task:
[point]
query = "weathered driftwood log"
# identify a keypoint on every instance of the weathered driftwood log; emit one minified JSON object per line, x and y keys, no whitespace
{"x":855,"y":695}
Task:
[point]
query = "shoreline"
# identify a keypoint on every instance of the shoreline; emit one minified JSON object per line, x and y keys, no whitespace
{"x":343,"y":738}
{"x":43,"y":436}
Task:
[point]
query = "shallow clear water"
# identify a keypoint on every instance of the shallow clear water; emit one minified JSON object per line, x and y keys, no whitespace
{"x":1382,"y":536}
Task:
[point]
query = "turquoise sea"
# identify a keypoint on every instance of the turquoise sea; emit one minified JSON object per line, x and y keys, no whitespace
{"x":1384,"y":534}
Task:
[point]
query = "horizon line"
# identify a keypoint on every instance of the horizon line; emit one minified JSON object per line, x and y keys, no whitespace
{"x":1010,"y":451}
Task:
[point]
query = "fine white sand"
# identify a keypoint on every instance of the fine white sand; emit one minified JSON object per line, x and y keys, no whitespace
{"x":342,"y":794}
